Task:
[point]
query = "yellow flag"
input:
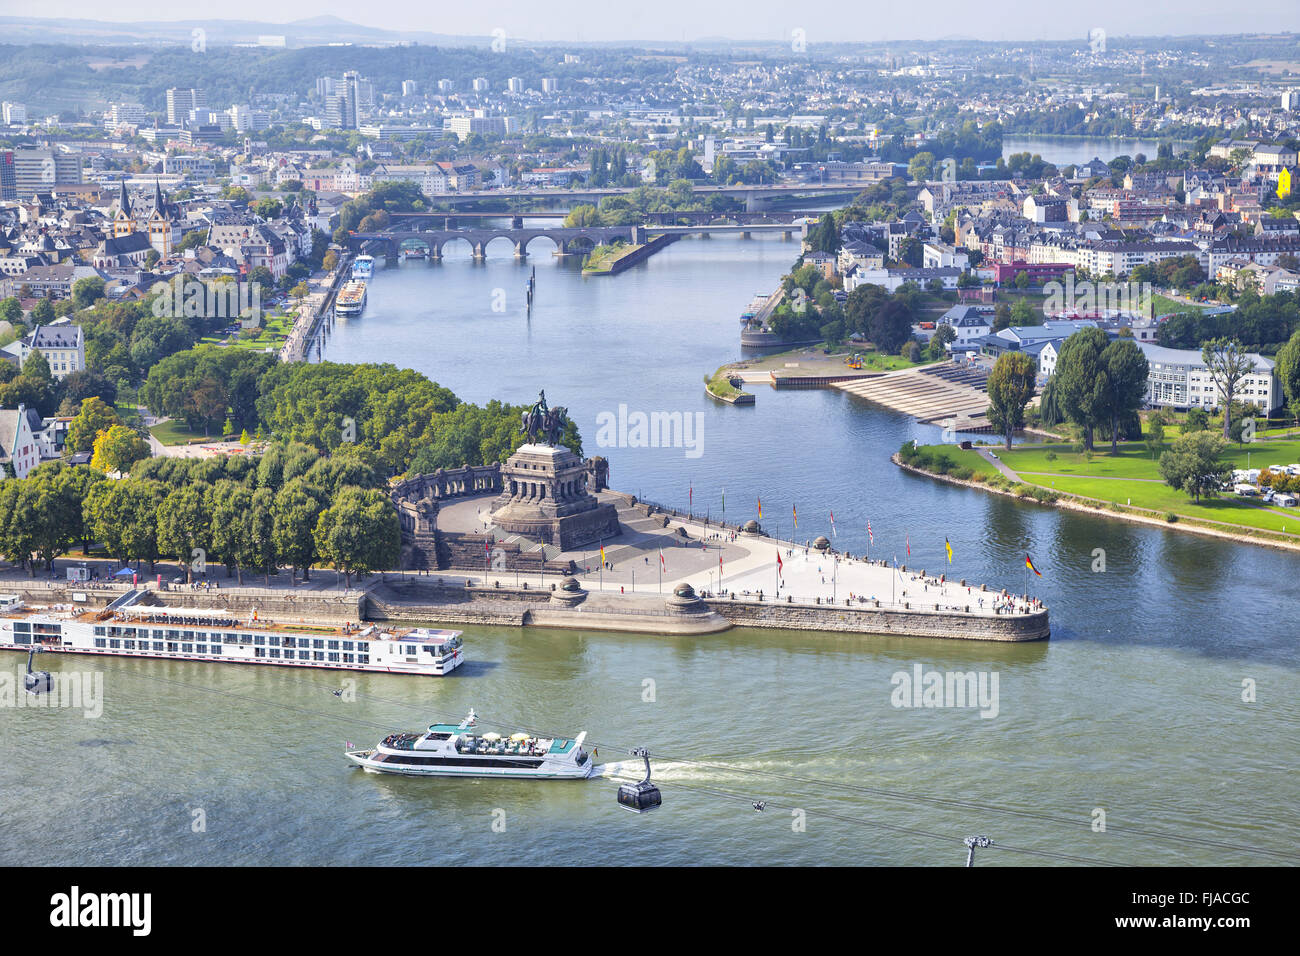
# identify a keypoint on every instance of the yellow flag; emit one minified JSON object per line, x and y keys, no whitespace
{"x":948,"y":548}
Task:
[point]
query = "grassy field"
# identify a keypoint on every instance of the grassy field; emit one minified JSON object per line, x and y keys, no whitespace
{"x":174,"y":432}
{"x":273,"y":336}
{"x":1165,"y":305}
{"x":1132,"y":479}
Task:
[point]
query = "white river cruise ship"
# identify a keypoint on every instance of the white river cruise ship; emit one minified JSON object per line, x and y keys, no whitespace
{"x":128,"y":630}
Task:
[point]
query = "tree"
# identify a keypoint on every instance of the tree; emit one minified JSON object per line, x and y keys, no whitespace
{"x":1010,"y":387}
{"x":232,"y":504}
{"x":261,"y":533}
{"x":1124,"y":369}
{"x":185,"y":526}
{"x":297,"y":506}
{"x":1228,"y":364}
{"x":1081,"y":381}
{"x":359,"y":532}
{"x":1001,"y":317}
{"x":95,"y":417}
{"x":1155,"y":434}
{"x":85,"y":292}
{"x":11,"y":310}
{"x":36,"y":367}
{"x":43,"y":312}
{"x":1194,"y":464}
{"x":1197,"y":420}
{"x":331,"y":261}
{"x":1022,"y":313}
{"x":117,"y":449}
{"x":123,"y":516}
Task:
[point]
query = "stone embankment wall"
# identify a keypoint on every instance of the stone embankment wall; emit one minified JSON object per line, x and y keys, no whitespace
{"x":902,"y":623}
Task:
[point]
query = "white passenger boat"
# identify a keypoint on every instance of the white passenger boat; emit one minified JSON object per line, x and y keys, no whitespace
{"x":363,"y":267}
{"x":351,"y":298}
{"x":193,"y":634}
{"x":457,"y":750}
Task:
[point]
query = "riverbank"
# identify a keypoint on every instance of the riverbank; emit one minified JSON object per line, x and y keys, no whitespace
{"x":616,"y":259}
{"x":998,"y":485}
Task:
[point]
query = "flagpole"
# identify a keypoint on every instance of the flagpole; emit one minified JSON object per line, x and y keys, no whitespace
{"x":602,"y":564}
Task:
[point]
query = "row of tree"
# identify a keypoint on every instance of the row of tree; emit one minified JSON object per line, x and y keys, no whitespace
{"x":292,"y":508}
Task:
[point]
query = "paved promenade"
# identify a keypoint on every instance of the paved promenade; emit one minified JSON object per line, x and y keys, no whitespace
{"x":748,"y":565}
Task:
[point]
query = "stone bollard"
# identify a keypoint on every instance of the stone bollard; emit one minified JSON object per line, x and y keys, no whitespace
{"x":963,"y":582}
{"x":907,"y":605}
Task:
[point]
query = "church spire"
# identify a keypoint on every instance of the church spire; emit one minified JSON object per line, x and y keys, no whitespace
{"x":157,"y":195}
{"x":124,"y":200}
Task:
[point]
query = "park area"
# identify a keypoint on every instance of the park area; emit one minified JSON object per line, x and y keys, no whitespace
{"x":1131,"y":479}
{"x":272,"y":337}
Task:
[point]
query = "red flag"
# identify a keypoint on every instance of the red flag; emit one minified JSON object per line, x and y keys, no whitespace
{"x":662,"y":564}
{"x":870,"y":537}
{"x":779,"y":565}
{"x":908,"y":542}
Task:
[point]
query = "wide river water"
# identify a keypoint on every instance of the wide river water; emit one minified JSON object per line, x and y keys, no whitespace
{"x":1134,"y":707}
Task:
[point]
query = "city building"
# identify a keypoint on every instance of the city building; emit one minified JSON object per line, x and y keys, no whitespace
{"x":19,"y":450}
{"x":37,"y":170}
{"x":180,"y":103}
{"x":61,"y":343}
{"x":1179,"y":379}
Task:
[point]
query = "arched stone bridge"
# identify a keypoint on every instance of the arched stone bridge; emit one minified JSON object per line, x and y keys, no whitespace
{"x":568,"y":241}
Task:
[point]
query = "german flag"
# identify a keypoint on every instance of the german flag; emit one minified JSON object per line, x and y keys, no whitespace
{"x":1030,"y":565}
{"x":602,"y":554}
{"x":760,"y":508}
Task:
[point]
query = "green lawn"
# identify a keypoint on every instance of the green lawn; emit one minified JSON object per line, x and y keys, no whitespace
{"x":1229,"y":508}
{"x":1132,"y":478}
{"x":1165,"y":305}
{"x":174,"y":432}
{"x":273,"y":336}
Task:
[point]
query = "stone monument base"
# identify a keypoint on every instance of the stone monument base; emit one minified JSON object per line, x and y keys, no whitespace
{"x":545,"y":497}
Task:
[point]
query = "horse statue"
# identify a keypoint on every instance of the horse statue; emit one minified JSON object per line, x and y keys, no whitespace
{"x":533,"y":420}
{"x":555,"y":421}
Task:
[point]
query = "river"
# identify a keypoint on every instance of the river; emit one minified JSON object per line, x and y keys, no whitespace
{"x":1073,"y":150}
{"x":1133,"y":708}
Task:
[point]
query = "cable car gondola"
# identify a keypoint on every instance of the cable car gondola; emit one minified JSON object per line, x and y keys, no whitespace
{"x":36,"y":682}
{"x":640,"y":797}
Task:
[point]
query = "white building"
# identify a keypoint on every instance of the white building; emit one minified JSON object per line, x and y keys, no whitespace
{"x":19,"y":449}
{"x":1178,"y":378}
{"x":61,"y":343}
{"x":940,"y":255}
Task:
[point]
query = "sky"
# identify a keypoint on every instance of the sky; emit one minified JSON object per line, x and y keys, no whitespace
{"x":772,"y":20}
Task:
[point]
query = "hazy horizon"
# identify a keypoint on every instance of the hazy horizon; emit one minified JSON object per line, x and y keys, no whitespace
{"x":736,"y":20}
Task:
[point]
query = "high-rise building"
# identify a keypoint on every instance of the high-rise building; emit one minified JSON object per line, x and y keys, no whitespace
{"x":410,"y":87}
{"x":324,"y":86}
{"x":515,"y":84}
{"x":550,"y":84}
{"x":8,"y":183}
{"x":446,"y":86}
{"x":14,"y":113}
{"x":37,"y":170}
{"x":180,"y":103}
{"x":129,"y":114}
{"x":480,"y":84}
{"x":351,"y":103}
{"x":1290,"y":100}
{"x":464,"y":125}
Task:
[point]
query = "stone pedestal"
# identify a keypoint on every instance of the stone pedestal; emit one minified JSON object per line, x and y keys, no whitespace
{"x":545,"y":496}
